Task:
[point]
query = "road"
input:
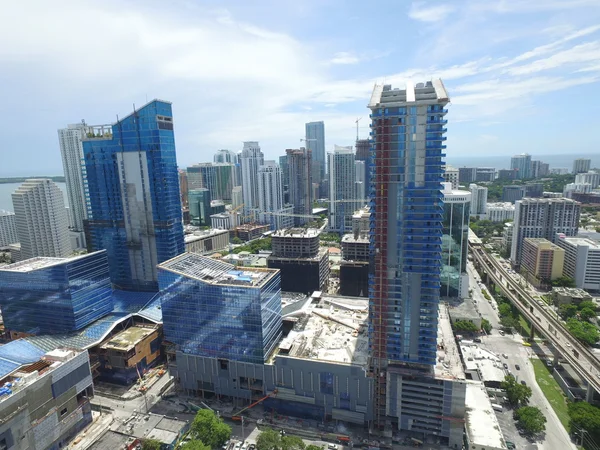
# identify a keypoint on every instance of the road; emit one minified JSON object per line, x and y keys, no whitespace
{"x":556,"y":437}
{"x":544,"y":319}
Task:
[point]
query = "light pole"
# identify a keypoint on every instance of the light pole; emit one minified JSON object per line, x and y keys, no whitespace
{"x":243,"y":436}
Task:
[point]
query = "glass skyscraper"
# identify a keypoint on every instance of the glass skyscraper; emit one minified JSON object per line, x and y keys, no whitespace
{"x":457,"y":208}
{"x":199,"y":204}
{"x":407,"y":131}
{"x":211,"y":308}
{"x":315,"y":142}
{"x":134,"y":202}
{"x":55,"y":295}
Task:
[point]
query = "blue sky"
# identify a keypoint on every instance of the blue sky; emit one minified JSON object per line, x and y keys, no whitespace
{"x":523,"y":75}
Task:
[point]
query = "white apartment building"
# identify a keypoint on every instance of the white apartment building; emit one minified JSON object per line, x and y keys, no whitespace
{"x":8,"y":229}
{"x":582,"y":261}
{"x":342,"y":195}
{"x":71,"y":151}
{"x":41,"y":219}
{"x":479,"y":196}
{"x":580,"y":188}
{"x":500,"y":212}
{"x":581,"y":165}
{"x":237,"y":197}
{"x":361,"y":182}
{"x":591,"y":178}
{"x":451,"y":176}
{"x":270,"y":197}
{"x":252,"y":158}
{"x":543,"y":218}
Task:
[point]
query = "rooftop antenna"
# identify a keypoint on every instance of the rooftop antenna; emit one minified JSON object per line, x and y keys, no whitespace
{"x":356,"y":122}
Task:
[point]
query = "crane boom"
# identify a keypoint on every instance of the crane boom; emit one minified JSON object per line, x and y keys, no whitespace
{"x":237,"y":415}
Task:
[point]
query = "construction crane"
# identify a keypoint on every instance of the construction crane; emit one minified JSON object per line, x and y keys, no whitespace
{"x":356,"y":122}
{"x":238,"y":416}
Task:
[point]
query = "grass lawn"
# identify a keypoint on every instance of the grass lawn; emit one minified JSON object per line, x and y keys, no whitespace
{"x":526,"y":328}
{"x":552,"y":391}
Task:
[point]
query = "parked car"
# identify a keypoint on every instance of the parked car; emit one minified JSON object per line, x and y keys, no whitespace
{"x":504,"y":355}
{"x":549,"y":363}
{"x":477,"y":340}
{"x":518,"y":367}
{"x":523,"y":383}
{"x":505,"y":366}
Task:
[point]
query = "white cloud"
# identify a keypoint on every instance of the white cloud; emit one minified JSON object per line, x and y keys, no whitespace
{"x":583,"y":53}
{"x":344,"y":58}
{"x":422,"y":12}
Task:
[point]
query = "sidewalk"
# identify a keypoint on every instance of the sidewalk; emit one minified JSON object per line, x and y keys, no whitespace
{"x":88,"y":436}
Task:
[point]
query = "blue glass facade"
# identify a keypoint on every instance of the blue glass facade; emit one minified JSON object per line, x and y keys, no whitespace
{"x":211,"y":309}
{"x":134,"y":203}
{"x":406,"y":224}
{"x":52,"y":295}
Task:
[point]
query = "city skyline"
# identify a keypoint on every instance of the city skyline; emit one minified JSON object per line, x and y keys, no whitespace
{"x":500,"y":63}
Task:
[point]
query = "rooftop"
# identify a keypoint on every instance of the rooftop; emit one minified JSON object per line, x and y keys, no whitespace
{"x":448,"y":364}
{"x":483,"y":429}
{"x":323,"y":251}
{"x":27,"y":369}
{"x":111,"y":440}
{"x":203,"y":234}
{"x":41,"y":262}
{"x":129,"y":338}
{"x":432,"y":92}
{"x":501,"y":205}
{"x":249,"y":226}
{"x":362,"y":238}
{"x":578,"y":241}
{"x":548,"y":200}
{"x":297,"y":232}
{"x":486,"y":363}
{"x":335,"y":330}
{"x":211,"y":271}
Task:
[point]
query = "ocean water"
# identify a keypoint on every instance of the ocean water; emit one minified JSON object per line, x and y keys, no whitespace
{"x":503,"y":162}
{"x":7,"y":189}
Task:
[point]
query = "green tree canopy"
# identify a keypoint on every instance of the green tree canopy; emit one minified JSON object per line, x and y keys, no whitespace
{"x":516,"y":393}
{"x":584,"y":331}
{"x":566,"y":311}
{"x":194,"y":445}
{"x":504,"y":309}
{"x":465,"y":326}
{"x":313,"y":447}
{"x":270,"y":439}
{"x":587,"y":313}
{"x":564,"y":281}
{"x":151,"y":444}
{"x":530,"y":419}
{"x":586,"y":416}
{"x":587,"y":304}
{"x":486,"y":325}
{"x":509,"y":322}
{"x":210,"y":429}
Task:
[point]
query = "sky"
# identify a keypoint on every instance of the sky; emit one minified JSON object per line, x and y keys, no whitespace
{"x":523,"y":75}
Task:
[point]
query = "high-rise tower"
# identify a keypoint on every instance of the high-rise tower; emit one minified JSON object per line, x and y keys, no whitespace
{"x":134,"y":196}
{"x":41,"y":219}
{"x":342,"y":189}
{"x":71,"y":151}
{"x":252,"y":158}
{"x":522,"y":163}
{"x":299,"y":167}
{"x":407,"y":131}
{"x":315,"y":142}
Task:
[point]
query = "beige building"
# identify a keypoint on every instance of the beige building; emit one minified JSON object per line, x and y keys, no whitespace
{"x":542,"y":259}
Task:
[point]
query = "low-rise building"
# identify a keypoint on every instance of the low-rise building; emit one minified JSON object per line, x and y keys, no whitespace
{"x":582,"y":261}
{"x":206,"y":241}
{"x":482,"y":430}
{"x":45,"y":397}
{"x":465,"y":311}
{"x":355,"y":248}
{"x":563,"y":295}
{"x":127,"y":354}
{"x":542,"y":259}
{"x":500,"y":212}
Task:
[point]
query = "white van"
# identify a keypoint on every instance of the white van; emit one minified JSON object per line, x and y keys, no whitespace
{"x":497,"y":407}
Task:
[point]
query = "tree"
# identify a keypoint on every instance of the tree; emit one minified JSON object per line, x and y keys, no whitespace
{"x":210,"y":429}
{"x":509,"y":322}
{"x":465,"y":326}
{"x":530,"y":419}
{"x":564,"y":281}
{"x":586,"y":416}
{"x":292,"y":443}
{"x":194,"y":445}
{"x":268,"y":439}
{"x":151,"y":444}
{"x":587,"y":304}
{"x":587,"y":313}
{"x":504,"y":309}
{"x":314,"y":447}
{"x":584,"y":331}
{"x":486,"y":326}
{"x":566,"y":311}
{"x":515,"y":392}
{"x":236,"y":240}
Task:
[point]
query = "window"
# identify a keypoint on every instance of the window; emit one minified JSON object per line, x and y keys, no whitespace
{"x":63,"y":412}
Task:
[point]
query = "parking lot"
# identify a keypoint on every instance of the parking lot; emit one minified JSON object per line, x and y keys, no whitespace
{"x":511,"y":434}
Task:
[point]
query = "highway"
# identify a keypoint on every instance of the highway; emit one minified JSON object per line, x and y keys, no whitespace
{"x":544,"y":320}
